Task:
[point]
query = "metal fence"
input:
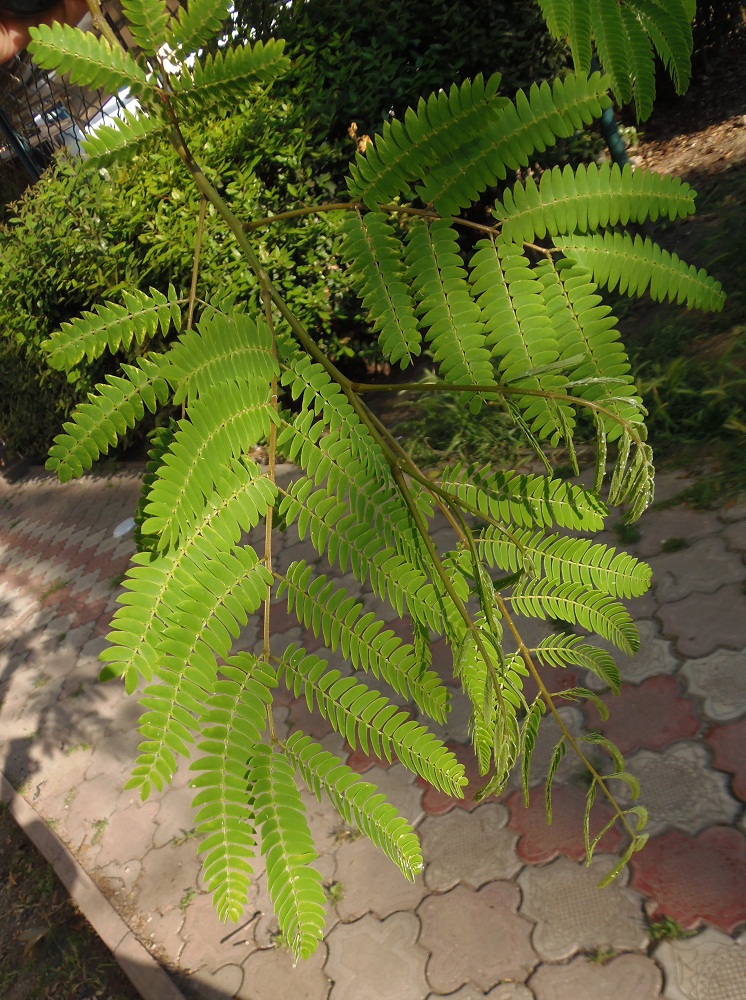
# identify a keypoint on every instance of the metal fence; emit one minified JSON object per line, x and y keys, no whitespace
{"x":40,"y":112}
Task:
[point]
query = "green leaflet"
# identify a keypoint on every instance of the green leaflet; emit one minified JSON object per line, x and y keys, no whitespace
{"x":112,"y":326}
{"x":114,"y":408}
{"x":156,"y":585}
{"x":131,"y":134}
{"x":358,"y":802}
{"x":581,"y":200}
{"x":196,"y":24}
{"x":520,"y":500}
{"x":520,"y":334}
{"x":232,"y":719}
{"x":532,"y":123}
{"x":222,"y":349}
{"x":87,"y":59}
{"x":563,"y":559}
{"x":635,"y":266}
{"x":585,"y":330}
{"x":571,"y":602}
{"x":220,"y":76}
{"x":379,"y":274}
{"x":363,"y":639}
{"x":451,"y":318}
{"x":203,"y":624}
{"x":434,"y":132}
{"x":146,"y":20}
{"x":362,"y":715}
{"x":295,"y":888}
{"x":224,"y":423}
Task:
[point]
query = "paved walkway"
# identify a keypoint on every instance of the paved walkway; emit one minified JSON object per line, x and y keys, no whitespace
{"x":505,"y":908}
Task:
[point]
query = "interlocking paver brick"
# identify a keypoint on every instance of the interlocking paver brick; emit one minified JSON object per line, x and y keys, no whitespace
{"x":734,"y":536}
{"x":456,"y":726}
{"x":220,"y":985}
{"x":436,"y":802}
{"x":572,"y":914}
{"x":721,"y":680}
{"x":680,"y":790}
{"x":167,"y":874}
{"x":539,"y":841}
{"x":628,"y":977}
{"x":703,"y":566}
{"x":476,"y":937}
{"x":727,"y":743}
{"x":702,"y":622}
{"x":400,"y":787}
{"x":710,"y":966}
{"x":570,"y":767}
{"x":678,"y":522}
{"x":376,"y":960}
{"x":271,"y":974}
{"x":507,"y":991}
{"x":208,"y":942}
{"x":695,"y":879}
{"x":651,"y":715}
{"x":371,"y":883}
{"x":472,"y":848}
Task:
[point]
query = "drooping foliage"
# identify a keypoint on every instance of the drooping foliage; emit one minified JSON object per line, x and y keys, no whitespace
{"x":514,"y":321}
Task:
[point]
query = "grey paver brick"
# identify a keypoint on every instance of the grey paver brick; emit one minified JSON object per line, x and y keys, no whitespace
{"x":357,"y":966}
{"x":473,"y":848}
{"x":628,"y":977}
{"x":476,"y":937}
{"x":149,"y":979}
{"x":400,"y":788}
{"x":680,"y":789}
{"x":549,"y":734}
{"x":508,"y":991}
{"x":208,"y":942}
{"x":721,"y":680}
{"x":175,"y":816}
{"x":703,"y":566}
{"x":710,"y":966}
{"x":679,"y":522}
{"x":572,"y":914}
{"x":220,"y":985}
{"x":371,"y":883}
{"x":701,"y":623}
{"x":167,"y":874}
{"x":270,"y":974}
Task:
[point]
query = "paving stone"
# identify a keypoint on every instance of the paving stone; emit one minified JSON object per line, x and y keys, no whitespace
{"x":456,"y":726}
{"x":694,"y":879}
{"x":271,"y":975}
{"x":167,"y":874}
{"x":704,"y":566}
{"x":472,"y":848}
{"x":475,"y":937}
{"x":651,"y":715}
{"x":311,"y":723}
{"x":572,"y":914}
{"x":657,"y":526}
{"x":175,"y":816}
{"x":539,"y":841}
{"x":376,"y":960}
{"x":710,"y":966}
{"x":371,"y":883}
{"x":656,"y":656}
{"x":208,"y":942}
{"x":732,"y":512}
{"x":734,"y":536}
{"x":680,"y":790}
{"x":702,"y":622}
{"x":721,"y":680}
{"x":628,"y":977}
{"x":727,"y":743}
{"x":508,"y":991}
{"x":118,"y":878}
{"x":220,"y":985}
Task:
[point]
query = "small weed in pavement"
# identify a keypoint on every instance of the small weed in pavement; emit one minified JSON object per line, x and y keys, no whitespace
{"x":667,"y":929}
{"x":186,"y":899}
{"x":52,"y":589}
{"x":334,"y":892}
{"x":98,"y":830}
{"x":674,"y":544}
{"x":600,"y":956}
{"x":627,"y":534}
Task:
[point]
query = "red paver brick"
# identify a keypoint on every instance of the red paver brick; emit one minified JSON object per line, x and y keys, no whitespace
{"x":555,"y":680}
{"x":541,"y":842}
{"x":651,"y":715}
{"x":312,"y":723}
{"x":695,"y":879}
{"x":361,"y":762}
{"x":437,"y":803}
{"x":728,"y":745}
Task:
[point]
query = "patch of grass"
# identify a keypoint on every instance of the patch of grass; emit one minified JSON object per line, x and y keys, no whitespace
{"x":627,"y":534}
{"x":75,"y":747}
{"x":334,"y":892}
{"x":674,"y":544}
{"x":62,"y":636}
{"x":186,"y":898}
{"x":40,"y":680}
{"x":70,"y":797}
{"x":601,"y":956}
{"x":52,"y":589}
{"x":182,"y":838}
{"x":345,"y":834}
{"x":667,"y":929}
{"x":98,"y":830}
